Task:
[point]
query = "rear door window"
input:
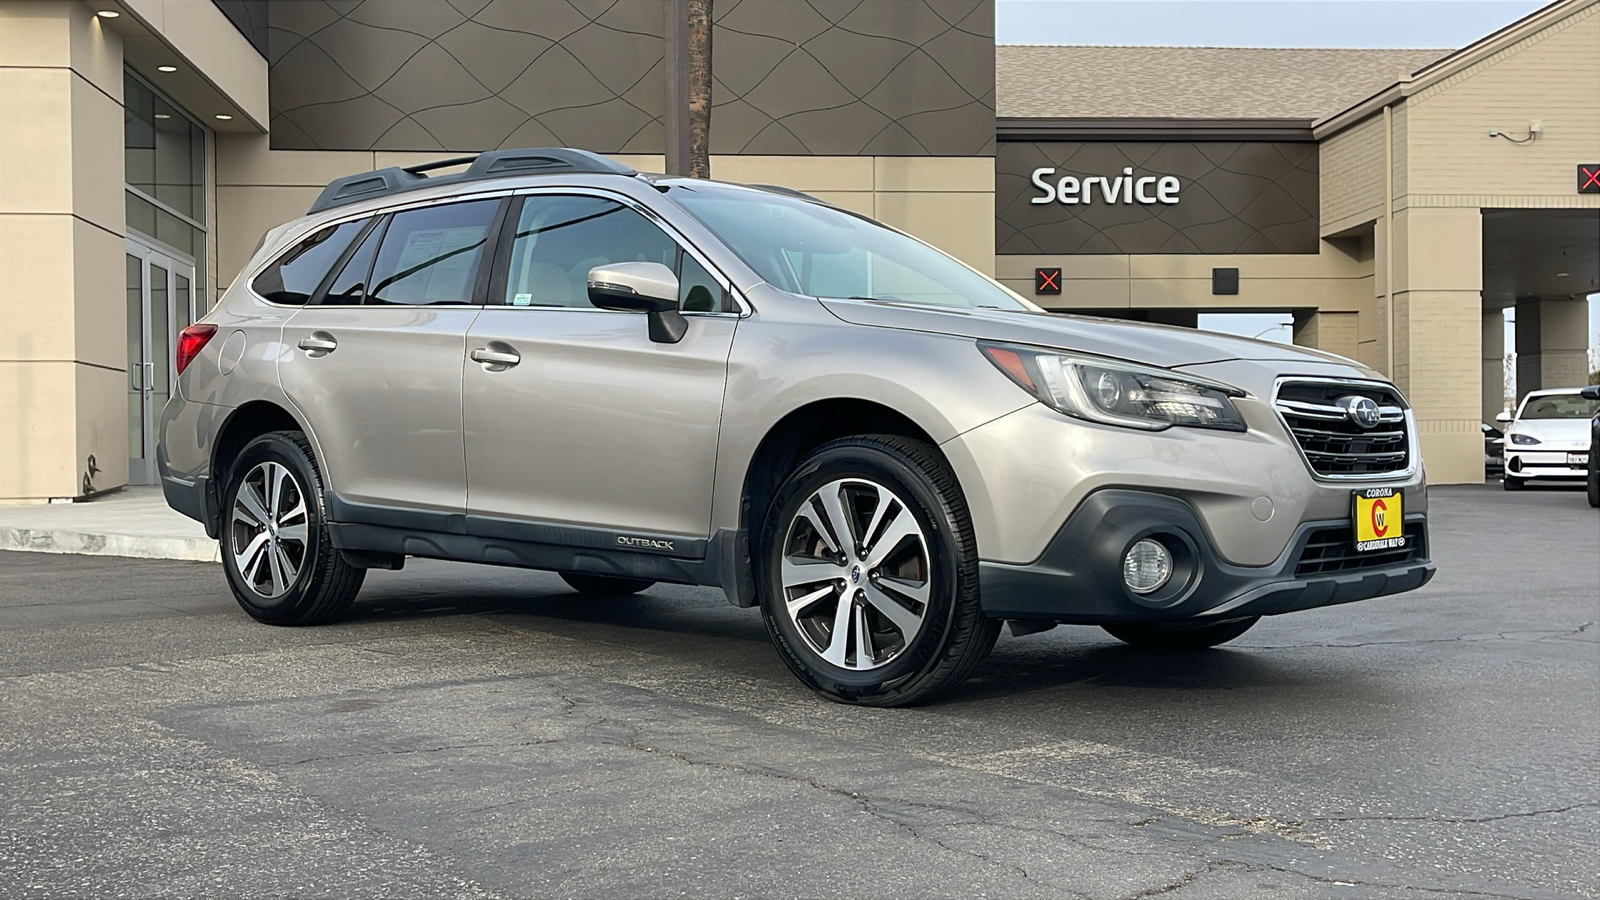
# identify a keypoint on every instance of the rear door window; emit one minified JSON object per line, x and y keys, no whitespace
{"x":293,"y":277}
{"x":349,"y":287}
{"x":431,"y":255}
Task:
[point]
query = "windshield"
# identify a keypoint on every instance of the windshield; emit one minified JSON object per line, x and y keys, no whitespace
{"x":807,"y":248}
{"x":1559,"y":406}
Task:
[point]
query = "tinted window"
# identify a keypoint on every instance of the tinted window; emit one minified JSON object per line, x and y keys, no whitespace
{"x":431,"y":255}
{"x":560,"y":238}
{"x":294,"y":276}
{"x":349,"y":288}
{"x":808,"y":248}
{"x":697,"y":290}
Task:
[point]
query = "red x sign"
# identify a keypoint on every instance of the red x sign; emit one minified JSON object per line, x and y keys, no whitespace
{"x":1589,"y":178}
{"x":1047,"y":281}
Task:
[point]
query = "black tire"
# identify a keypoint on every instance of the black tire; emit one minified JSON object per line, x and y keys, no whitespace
{"x":323,"y":584}
{"x":1594,"y":483}
{"x":953,"y":635}
{"x":1511,"y":484}
{"x":1176,"y":637}
{"x":604,"y":585}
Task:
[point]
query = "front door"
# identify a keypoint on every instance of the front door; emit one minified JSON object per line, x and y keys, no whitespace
{"x":573,"y":417}
{"x":160,"y":304}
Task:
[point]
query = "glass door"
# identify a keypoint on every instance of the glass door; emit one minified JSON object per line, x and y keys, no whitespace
{"x":160,"y":304}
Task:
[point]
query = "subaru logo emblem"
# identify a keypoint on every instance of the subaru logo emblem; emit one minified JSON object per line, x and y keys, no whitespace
{"x":1362,"y":410}
{"x":855,"y":574}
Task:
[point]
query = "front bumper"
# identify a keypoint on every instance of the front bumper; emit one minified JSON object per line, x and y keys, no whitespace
{"x":1078,"y":578}
{"x":1527,"y":464}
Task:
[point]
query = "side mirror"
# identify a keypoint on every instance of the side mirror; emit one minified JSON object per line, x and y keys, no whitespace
{"x":1503,"y":418}
{"x":642,"y":287}
{"x":1592,"y":392}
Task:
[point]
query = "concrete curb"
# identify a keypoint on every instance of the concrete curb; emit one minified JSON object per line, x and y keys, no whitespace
{"x":56,"y":540}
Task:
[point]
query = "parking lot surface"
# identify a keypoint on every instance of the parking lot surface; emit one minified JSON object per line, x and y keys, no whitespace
{"x":484,"y":732}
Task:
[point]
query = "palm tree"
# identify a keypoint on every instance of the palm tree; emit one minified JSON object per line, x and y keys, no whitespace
{"x":699,"y":40}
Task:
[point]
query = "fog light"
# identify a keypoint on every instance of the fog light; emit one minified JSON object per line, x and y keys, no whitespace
{"x":1147,"y":566}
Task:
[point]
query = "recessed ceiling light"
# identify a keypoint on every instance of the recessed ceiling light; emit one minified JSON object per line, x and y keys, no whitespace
{"x":163,"y":116}
{"x":108,"y":14}
{"x":166,"y":68}
{"x":1562,"y":274}
{"x":224,"y":116}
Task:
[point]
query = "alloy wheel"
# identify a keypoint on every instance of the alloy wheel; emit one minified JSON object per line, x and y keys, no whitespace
{"x":856,"y":574}
{"x":269,"y":529}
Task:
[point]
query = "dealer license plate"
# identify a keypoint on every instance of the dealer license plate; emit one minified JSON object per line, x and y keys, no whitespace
{"x":1379,"y":519}
{"x":1577,"y":460}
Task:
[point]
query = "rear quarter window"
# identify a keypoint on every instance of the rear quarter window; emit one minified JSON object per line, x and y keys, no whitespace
{"x":293,"y":277}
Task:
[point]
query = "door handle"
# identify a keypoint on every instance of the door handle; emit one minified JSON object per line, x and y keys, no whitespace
{"x":316,"y":343}
{"x":490,"y":357}
{"x":150,"y":377}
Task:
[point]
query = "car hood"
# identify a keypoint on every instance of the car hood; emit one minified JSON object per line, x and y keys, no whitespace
{"x":1158,"y":345}
{"x":1551,"y":431}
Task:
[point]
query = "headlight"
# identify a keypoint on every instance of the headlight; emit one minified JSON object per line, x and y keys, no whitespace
{"x":1115,"y":392}
{"x":1526,"y":440}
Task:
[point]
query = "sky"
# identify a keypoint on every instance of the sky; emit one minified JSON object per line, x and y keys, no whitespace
{"x":1264,"y":23}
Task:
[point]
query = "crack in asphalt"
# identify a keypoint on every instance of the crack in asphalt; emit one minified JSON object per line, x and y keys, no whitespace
{"x":869,"y":805}
{"x":1452,"y":820}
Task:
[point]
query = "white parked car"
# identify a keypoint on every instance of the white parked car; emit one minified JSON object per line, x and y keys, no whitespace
{"x":1549,"y":438}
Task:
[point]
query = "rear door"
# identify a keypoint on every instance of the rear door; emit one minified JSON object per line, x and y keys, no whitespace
{"x":593,"y":425}
{"x":375,"y":363}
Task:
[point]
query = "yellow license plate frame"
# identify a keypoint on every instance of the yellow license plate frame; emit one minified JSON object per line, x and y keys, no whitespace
{"x":1377,"y":519}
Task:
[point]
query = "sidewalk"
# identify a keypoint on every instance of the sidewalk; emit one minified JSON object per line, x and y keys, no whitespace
{"x":132,"y":522}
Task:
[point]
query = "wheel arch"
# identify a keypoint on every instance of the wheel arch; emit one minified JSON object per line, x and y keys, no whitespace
{"x":246,"y":423}
{"x":784,"y":444}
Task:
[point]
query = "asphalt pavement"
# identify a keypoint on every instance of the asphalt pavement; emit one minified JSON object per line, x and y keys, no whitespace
{"x":481,"y":732}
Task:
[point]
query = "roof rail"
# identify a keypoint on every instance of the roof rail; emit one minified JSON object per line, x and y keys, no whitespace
{"x":493,"y":164}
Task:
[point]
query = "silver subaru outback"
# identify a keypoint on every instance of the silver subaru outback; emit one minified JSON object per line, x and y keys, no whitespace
{"x":551,"y":361}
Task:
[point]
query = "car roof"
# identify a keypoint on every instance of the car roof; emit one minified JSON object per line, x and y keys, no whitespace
{"x":1551,"y":392}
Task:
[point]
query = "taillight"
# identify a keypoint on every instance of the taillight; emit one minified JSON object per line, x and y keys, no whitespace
{"x":191,"y":341}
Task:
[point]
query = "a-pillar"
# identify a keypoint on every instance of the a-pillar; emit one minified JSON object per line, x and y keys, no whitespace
{"x":1334,"y":332}
{"x":1552,"y":343}
{"x":1438,"y":324}
{"x":63,"y":359}
{"x":1494,"y":363}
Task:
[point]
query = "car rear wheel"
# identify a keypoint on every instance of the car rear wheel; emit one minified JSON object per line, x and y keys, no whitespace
{"x":280,"y":562}
{"x":604,"y":585}
{"x":1178,"y":636}
{"x":868,"y":580}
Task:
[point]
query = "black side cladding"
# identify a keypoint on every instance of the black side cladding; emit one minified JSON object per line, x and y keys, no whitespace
{"x":493,"y":164}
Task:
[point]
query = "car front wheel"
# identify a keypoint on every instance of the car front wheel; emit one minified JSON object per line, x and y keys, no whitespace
{"x":869,"y":582}
{"x":279,"y":559}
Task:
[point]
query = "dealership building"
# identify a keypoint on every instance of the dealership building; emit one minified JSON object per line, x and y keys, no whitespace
{"x":1395,"y":202}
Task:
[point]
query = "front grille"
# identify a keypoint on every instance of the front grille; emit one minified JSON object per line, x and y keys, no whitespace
{"x":1330,"y":550}
{"x":1332,"y":441}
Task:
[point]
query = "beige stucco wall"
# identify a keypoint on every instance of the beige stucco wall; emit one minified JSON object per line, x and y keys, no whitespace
{"x":1334,"y":279}
{"x":1438,"y":339}
{"x":948,"y":202}
{"x":1552,"y":75}
{"x":1351,"y":172}
{"x":62,"y":350}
